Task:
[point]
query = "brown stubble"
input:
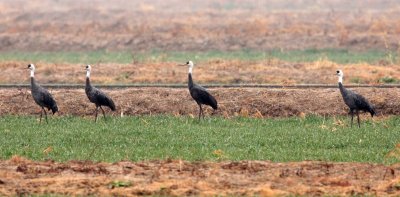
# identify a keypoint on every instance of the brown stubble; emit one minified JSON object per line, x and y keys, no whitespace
{"x":213,"y":71}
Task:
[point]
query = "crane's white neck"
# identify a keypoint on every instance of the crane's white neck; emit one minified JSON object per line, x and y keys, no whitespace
{"x":190,"y":69}
{"x":340,"y":80}
{"x":32,"y":73}
{"x":87,"y":73}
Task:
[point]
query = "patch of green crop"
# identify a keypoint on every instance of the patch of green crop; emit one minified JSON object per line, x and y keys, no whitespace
{"x":125,"y":57}
{"x":166,"y":137}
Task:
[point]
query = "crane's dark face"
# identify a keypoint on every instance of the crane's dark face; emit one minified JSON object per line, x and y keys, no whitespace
{"x":339,"y":73}
{"x":190,"y":63}
{"x":88,"y":68}
{"x":31,"y":67}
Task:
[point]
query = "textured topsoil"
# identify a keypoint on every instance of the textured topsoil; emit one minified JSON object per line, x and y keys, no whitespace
{"x":19,"y":176}
{"x":253,"y":102}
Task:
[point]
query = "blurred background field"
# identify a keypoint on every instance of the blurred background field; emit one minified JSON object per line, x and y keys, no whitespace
{"x":145,"y":39}
{"x":223,"y":25}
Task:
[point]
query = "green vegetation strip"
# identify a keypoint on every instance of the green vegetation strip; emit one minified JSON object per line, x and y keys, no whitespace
{"x":162,"y":137}
{"x":124,"y":57}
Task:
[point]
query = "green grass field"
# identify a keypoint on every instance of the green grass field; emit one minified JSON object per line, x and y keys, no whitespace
{"x":161,"y":137}
{"x":310,"y":55}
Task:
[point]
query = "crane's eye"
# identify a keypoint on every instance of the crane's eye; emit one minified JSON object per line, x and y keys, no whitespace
{"x":337,"y":72}
{"x":187,"y":62}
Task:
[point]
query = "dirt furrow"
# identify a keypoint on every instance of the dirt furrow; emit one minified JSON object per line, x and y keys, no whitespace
{"x":232,"y":102}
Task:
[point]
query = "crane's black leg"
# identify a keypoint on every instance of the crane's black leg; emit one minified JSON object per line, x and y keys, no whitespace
{"x":352,"y":114}
{"x":200,"y":109}
{"x":104,"y":114}
{"x":41,"y":114}
{"x":45,"y":115}
{"x":202,"y":112}
{"x":358,"y":118}
{"x":95,"y":114}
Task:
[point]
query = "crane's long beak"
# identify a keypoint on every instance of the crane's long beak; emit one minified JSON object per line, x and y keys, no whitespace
{"x":182,"y":65}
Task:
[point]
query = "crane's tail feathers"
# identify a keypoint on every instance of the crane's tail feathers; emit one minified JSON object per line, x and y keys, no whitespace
{"x":372,"y":112}
{"x":111,"y":105}
{"x":214,"y":103}
{"x":54,"y":109}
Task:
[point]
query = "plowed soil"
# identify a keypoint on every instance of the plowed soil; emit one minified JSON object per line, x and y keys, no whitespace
{"x":19,"y":176}
{"x":252,"y":102}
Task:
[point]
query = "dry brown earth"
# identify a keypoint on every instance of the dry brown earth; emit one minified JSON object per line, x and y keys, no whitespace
{"x":252,"y":102}
{"x":19,"y":176}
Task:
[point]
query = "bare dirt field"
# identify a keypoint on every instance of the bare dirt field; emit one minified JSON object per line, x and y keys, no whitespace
{"x":247,"y":102}
{"x":198,"y":25}
{"x":19,"y":176}
{"x":214,"y":71}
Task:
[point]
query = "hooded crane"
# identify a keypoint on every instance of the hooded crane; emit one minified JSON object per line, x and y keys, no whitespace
{"x":200,"y":94}
{"x":96,"y":96}
{"x":354,"y":101}
{"x":41,"y":96}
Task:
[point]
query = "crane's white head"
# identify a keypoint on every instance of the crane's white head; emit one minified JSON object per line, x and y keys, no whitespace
{"x":88,"y":68}
{"x":190,"y":64}
{"x":32,"y":68}
{"x":339,"y":73}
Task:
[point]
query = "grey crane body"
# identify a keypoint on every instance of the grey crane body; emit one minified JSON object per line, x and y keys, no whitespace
{"x":200,"y":94}
{"x":97,"y":97}
{"x":355,"y":102}
{"x":41,"y":96}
